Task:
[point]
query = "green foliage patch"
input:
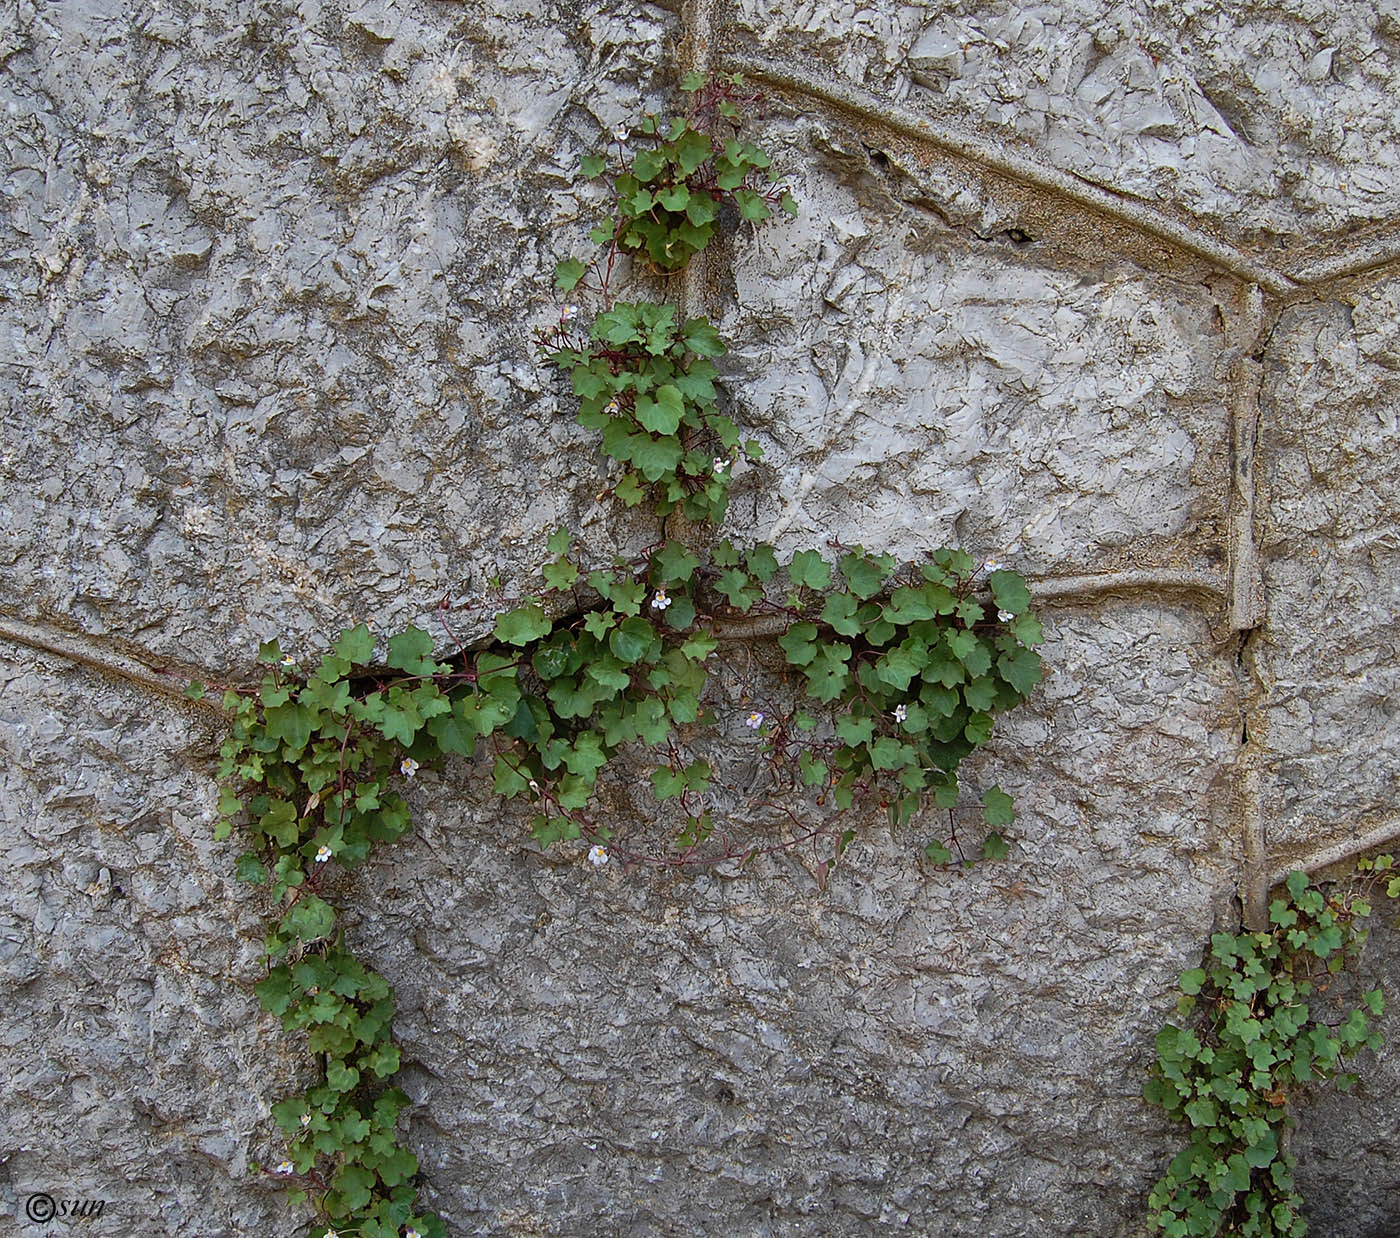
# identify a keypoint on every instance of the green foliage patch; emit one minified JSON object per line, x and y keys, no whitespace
{"x":1257,"y":1029}
{"x":646,"y":384}
{"x":669,"y":193}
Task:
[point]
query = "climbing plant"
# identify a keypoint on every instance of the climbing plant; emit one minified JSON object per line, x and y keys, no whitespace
{"x":890,"y":675}
{"x":1257,"y":1031}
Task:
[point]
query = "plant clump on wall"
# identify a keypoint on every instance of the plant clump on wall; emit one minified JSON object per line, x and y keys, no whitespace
{"x":893,"y":673}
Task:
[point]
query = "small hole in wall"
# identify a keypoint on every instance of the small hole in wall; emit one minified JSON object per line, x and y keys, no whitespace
{"x":1017,"y":236}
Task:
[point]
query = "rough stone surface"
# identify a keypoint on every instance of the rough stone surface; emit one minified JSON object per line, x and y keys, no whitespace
{"x":914,"y":385}
{"x":138,"y":1067}
{"x":269,"y":277}
{"x":1271,"y":120}
{"x":1330,"y":651}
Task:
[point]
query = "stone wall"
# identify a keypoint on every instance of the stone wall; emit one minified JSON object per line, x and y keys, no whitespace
{"x":1110,"y":289}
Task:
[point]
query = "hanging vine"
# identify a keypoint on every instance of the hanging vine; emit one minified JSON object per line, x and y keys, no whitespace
{"x":892,"y":674}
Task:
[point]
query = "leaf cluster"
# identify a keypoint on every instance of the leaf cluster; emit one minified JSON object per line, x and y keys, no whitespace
{"x":904,"y":667}
{"x":627,"y":669}
{"x":341,"y":1136}
{"x":910,"y":676}
{"x":321,"y":757}
{"x":646,"y":384}
{"x":668,"y":196}
{"x":1257,"y":1032}
{"x":913,"y":665}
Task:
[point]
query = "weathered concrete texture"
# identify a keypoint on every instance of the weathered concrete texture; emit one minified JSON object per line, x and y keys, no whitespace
{"x":270,"y":274}
{"x":1329,"y":656}
{"x":915,"y":385}
{"x":1267,"y":119}
{"x":1348,"y":1144}
{"x":608,"y":1052}
{"x":137,"y":1069}
{"x":924,"y":1051}
{"x":270,"y":278}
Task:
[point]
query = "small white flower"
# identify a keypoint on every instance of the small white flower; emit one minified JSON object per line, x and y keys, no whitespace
{"x":534,"y":786}
{"x":306,"y":1119}
{"x":901,"y":712}
{"x":288,"y":661}
{"x":597,"y":856}
{"x":620,"y":133}
{"x":412,"y":1233}
{"x":1006,"y":616}
{"x":754,"y":720}
{"x":993,"y":564}
{"x":612,"y":408}
{"x":568,"y":313}
{"x":661,"y":600}
{"x":285,"y":1167}
{"x":721,"y":464}
{"x":330,"y":1233}
{"x":408,"y":767}
{"x":322,"y":856}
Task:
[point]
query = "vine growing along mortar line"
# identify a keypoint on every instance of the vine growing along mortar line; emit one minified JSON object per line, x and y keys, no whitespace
{"x":607,"y":678}
{"x":1257,"y":1031}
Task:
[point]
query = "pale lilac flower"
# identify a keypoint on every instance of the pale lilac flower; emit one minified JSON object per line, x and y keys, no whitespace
{"x":1006,"y":616}
{"x":901,"y":712}
{"x":661,"y":600}
{"x":408,"y":767}
{"x":305,"y":1119}
{"x":412,"y":1233}
{"x":597,"y":856}
{"x":323,"y":855}
{"x":612,"y":408}
{"x":568,"y":313}
{"x":288,"y":661}
{"x":285,"y":1167}
{"x":993,"y":564}
{"x":620,"y":133}
{"x":721,"y":464}
{"x":754,"y":720}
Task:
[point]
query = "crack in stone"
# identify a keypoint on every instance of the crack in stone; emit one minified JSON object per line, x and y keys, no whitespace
{"x":1246,"y":334}
{"x":168,"y":679}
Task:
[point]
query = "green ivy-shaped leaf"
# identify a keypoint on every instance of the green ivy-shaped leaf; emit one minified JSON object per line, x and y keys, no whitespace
{"x":998,"y":807}
{"x":410,"y":651}
{"x":522,"y":625}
